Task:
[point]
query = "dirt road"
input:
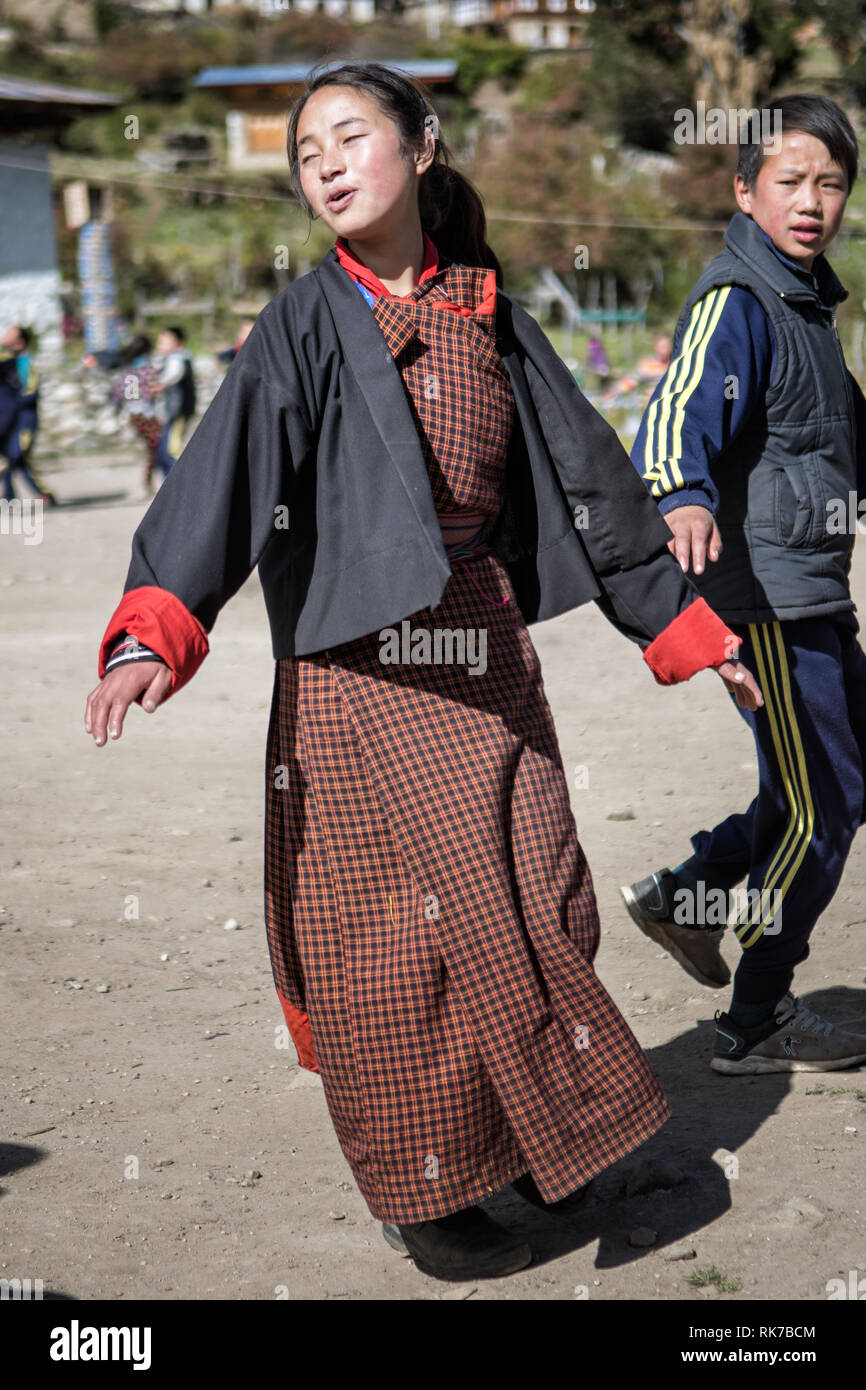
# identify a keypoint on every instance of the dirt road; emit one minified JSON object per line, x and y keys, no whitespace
{"x":160,"y":1143}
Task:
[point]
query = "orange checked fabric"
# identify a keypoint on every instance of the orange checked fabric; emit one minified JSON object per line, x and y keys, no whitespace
{"x":459,"y":389}
{"x":431,"y":917}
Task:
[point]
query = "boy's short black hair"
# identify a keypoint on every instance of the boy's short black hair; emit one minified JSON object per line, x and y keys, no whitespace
{"x":812,"y":115}
{"x":25,"y":334}
{"x":177,"y":331}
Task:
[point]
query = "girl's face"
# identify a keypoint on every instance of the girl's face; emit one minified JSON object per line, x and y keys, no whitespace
{"x":352,"y":170}
{"x":798,"y":198}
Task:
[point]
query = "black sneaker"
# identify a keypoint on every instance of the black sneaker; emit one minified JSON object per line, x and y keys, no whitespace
{"x":463,"y":1245}
{"x":394,"y":1238}
{"x":792,"y":1039}
{"x":651,"y":905}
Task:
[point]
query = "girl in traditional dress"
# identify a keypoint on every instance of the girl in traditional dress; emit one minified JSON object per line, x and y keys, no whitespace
{"x":418,"y":477}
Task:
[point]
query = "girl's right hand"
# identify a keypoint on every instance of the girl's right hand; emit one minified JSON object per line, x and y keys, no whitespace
{"x":108,"y":703}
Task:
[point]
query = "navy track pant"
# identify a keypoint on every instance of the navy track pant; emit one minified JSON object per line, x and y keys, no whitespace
{"x":792,"y":842}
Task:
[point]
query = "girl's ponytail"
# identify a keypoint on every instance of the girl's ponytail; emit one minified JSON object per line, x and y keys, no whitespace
{"x":453,"y":214}
{"x":450,"y":207}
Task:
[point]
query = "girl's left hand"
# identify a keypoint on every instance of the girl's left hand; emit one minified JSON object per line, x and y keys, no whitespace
{"x":741,"y":683}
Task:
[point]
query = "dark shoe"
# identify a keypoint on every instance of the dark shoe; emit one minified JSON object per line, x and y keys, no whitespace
{"x":651,"y":905}
{"x":566,"y":1206}
{"x":792,"y":1039}
{"x":464,"y":1245}
{"x":394,"y":1238}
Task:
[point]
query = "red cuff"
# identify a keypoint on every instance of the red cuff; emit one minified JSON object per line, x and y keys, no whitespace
{"x":299,"y":1027}
{"x":159,"y":620}
{"x":696,"y":638}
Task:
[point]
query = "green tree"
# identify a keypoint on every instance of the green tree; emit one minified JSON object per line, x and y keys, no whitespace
{"x":639,"y":71}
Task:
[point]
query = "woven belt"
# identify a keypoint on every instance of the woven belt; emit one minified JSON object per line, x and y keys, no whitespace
{"x":473,"y":548}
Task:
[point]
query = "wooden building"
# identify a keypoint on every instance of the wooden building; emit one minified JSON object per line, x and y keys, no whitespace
{"x":258,"y":100}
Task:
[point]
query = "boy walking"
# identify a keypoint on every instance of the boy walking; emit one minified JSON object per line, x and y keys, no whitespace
{"x":750,"y":444}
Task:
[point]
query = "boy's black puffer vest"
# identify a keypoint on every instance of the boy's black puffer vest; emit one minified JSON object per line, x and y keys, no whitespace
{"x":796,"y":453}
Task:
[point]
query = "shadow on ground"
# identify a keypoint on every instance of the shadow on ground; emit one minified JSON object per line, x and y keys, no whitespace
{"x":710,"y":1112}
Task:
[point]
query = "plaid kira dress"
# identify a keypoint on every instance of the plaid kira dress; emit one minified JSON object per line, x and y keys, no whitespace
{"x":427,"y":900}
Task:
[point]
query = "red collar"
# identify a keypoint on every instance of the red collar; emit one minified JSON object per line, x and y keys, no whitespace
{"x":372,"y":282}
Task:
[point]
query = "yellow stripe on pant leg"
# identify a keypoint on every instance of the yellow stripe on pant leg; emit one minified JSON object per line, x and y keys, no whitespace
{"x":781,"y":711}
{"x":801,"y":761}
{"x":751,"y":916}
{"x":787,"y":870}
{"x":786,"y":865}
{"x":772,"y":703}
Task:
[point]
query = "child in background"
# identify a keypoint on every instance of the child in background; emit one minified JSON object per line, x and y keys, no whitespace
{"x":176,"y":385}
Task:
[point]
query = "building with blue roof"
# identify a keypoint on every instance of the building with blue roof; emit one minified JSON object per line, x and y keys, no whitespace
{"x":258,"y":99}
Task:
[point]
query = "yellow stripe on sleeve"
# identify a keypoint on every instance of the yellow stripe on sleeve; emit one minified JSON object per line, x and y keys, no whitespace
{"x":658,"y":418}
{"x":698,"y":358}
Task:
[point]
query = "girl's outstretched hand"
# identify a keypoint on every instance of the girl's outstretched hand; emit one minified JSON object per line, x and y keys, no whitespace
{"x":108,"y":703}
{"x":741,"y":683}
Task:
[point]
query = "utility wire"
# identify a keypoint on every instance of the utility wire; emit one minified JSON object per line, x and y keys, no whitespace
{"x":492,"y":216}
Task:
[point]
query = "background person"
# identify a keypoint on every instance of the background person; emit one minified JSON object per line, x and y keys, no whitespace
{"x":19,"y":438}
{"x":176,"y":385}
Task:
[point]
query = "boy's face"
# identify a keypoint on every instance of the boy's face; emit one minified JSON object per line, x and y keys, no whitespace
{"x":798,"y":198}
{"x":166,"y":342}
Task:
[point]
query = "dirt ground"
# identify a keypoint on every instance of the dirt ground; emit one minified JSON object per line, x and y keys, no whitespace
{"x":166,"y":1148}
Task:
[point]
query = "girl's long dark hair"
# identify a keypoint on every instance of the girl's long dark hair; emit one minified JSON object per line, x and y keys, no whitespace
{"x":450,"y":207}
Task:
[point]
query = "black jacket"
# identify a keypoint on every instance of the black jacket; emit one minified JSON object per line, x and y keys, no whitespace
{"x":781,"y":555}
{"x":308,"y":463}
